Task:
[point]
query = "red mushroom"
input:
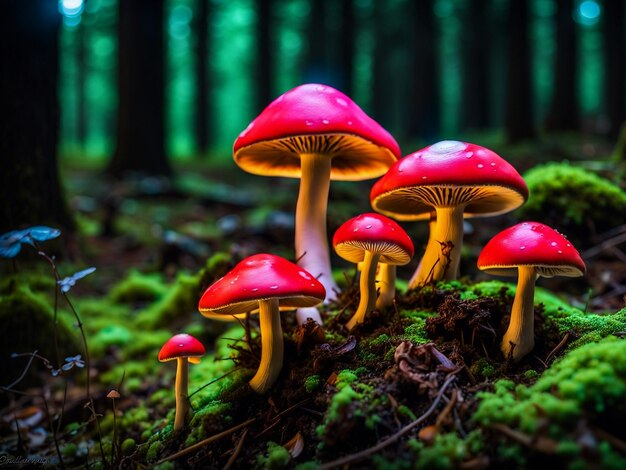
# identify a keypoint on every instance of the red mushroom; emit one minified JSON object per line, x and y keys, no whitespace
{"x":453,"y":178}
{"x":267,"y":283}
{"x":530,"y":250}
{"x":315,"y":133}
{"x":184,"y":348}
{"x":370,"y":238}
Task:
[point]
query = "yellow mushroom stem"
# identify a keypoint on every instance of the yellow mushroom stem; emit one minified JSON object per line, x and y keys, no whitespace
{"x":271,"y":346}
{"x":519,"y":338}
{"x":386,"y":279}
{"x":311,"y":241}
{"x":443,"y":252}
{"x":181,"y":387}
{"x":367,"y":285}
{"x":431,"y":232}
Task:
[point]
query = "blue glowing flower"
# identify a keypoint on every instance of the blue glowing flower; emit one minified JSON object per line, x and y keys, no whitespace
{"x":68,"y":282}
{"x":11,"y":242}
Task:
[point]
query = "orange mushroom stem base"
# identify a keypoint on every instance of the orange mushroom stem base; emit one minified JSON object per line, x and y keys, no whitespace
{"x":386,"y":285}
{"x":519,"y":338}
{"x":272,"y":348}
{"x":367,"y":285}
{"x":443,"y":252}
{"x":181,"y":389}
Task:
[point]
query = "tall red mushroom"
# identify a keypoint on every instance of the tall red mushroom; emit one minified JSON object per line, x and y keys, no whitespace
{"x":371,"y":238}
{"x":315,"y":133}
{"x":183,"y":348}
{"x":530,"y":250}
{"x":455,"y":179}
{"x":267,"y":283}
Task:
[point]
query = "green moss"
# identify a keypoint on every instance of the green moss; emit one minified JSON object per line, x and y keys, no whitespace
{"x":343,"y":398}
{"x":138,"y":287}
{"x":344,"y":378}
{"x":448,"y":450}
{"x":312,"y":383}
{"x":573,"y":199}
{"x":276,"y":457}
{"x":27,"y":321}
{"x":588,"y":381}
{"x":154,"y":450}
{"x":128,"y":446}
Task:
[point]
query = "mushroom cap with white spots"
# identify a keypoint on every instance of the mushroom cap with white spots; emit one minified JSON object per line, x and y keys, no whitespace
{"x":315,"y":118}
{"x":260,"y":277}
{"x":447,"y":174}
{"x":531,"y":244}
{"x":374,"y":233}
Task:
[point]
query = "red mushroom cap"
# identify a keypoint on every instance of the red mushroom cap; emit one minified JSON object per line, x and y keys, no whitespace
{"x":531,"y":244}
{"x":261,"y":277}
{"x":182,"y":345}
{"x":446,"y":174}
{"x":314,"y":118}
{"x":375,"y":233}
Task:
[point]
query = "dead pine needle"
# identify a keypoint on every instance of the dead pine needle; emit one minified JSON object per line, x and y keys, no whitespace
{"x":205,"y":442}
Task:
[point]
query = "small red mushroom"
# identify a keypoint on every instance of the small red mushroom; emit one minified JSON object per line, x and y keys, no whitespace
{"x":456,"y":179}
{"x":267,"y":283}
{"x":530,"y":250}
{"x":318,"y":134}
{"x":371,"y":238}
{"x":184,"y":348}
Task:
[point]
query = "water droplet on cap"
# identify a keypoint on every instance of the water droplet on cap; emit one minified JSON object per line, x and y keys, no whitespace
{"x":325,"y":121}
{"x":341,"y":102}
{"x":480,"y":165}
{"x":553,"y":244}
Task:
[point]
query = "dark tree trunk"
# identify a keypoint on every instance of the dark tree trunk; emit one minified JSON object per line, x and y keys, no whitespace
{"x":564,"y":112}
{"x":519,"y":112}
{"x":31,"y":192}
{"x":203,"y":119}
{"x":381,"y":108}
{"x":423,"y":100}
{"x":347,"y":47}
{"x":140,"y":121}
{"x":265,"y":65}
{"x":81,"y":68}
{"x":475,"y":105}
{"x":615,"y":57}
{"x":316,"y":57}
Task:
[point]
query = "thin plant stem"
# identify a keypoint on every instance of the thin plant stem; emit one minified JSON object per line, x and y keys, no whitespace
{"x":54,"y":431}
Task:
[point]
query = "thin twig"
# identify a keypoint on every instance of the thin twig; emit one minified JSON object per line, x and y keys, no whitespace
{"x":557,"y":348}
{"x":394,"y":437}
{"x":233,"y":457}
{"x":54,"y":431}
{"x":206,"y":441}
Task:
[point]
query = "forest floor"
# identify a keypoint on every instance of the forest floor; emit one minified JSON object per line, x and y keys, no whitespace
{"x":420,"y":383}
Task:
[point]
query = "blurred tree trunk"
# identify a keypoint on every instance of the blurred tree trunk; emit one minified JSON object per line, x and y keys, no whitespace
{"x":31,"y":192}
{"x":423,"y":100}
{"x":81,"y":78}
{"x":381,"y":108}
{"x":615,"y":57}
{"x":564,"y":111}
{"x":519,"y":112}
{"x":475,"y":105}
{"x":316,"y":57}
{"x":203,"y":83}
{"x":265,"y":64}
{"x":140,"y":118}
{"x":346,"y":59}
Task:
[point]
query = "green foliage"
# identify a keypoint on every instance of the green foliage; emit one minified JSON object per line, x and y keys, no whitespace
{"x":588,"y":383}
{"x":138,"y":287}
{"x":27,"y":321}
{"x":312,"y":383}
{"x":448,"y":450}
{"x":128,"y":446}
{"x":276,"y":457}
{"x":573,"y":200}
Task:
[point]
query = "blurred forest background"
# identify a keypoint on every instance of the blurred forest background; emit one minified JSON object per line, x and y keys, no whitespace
{"x":143,"y":84}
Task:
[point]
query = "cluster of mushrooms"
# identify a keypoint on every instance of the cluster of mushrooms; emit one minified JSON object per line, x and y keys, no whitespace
{"x":318,"y":134}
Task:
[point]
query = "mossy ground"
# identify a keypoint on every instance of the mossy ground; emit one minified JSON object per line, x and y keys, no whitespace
{"x":339,"y":392}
